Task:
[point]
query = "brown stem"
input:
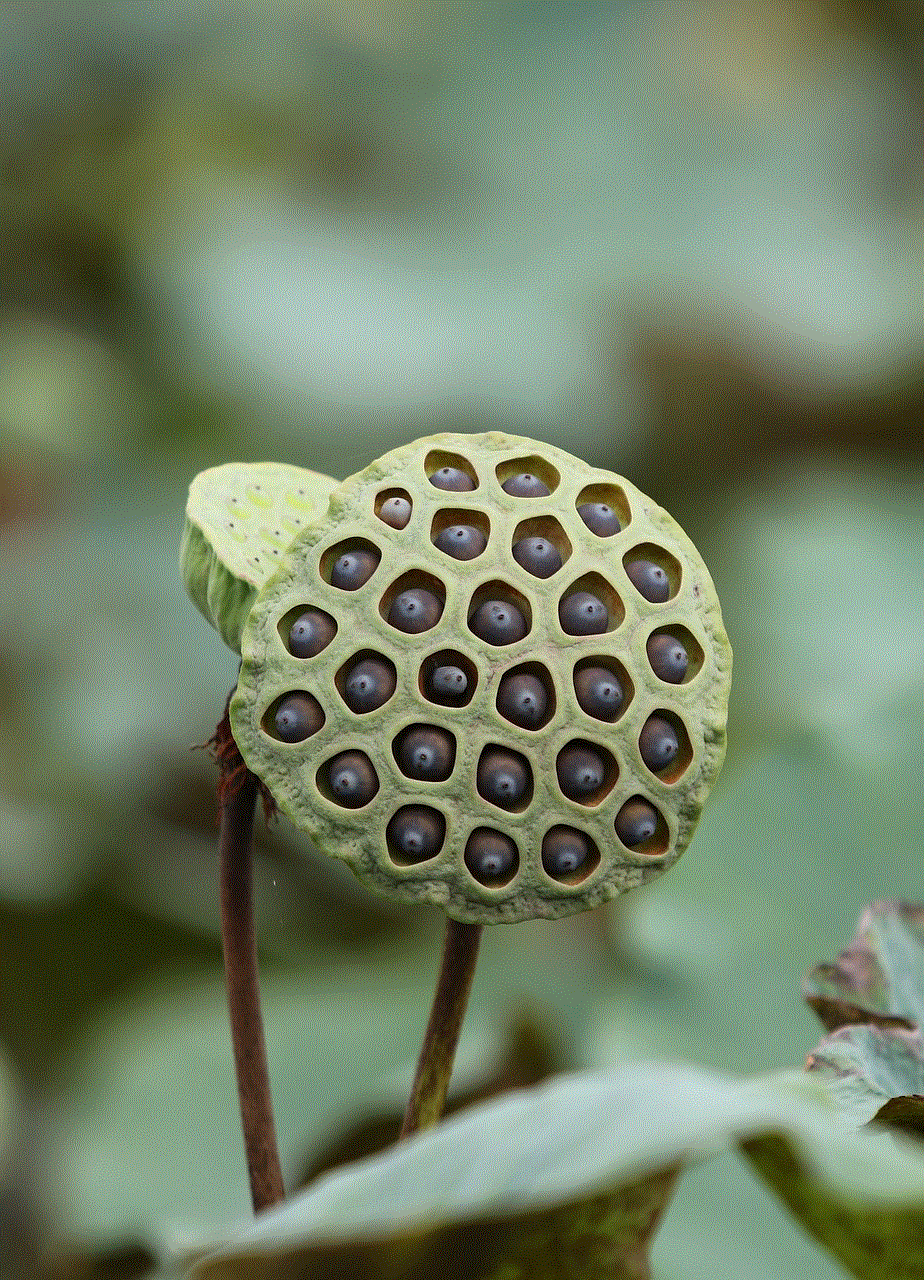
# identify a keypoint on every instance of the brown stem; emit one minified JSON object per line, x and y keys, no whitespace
{"x":434,"y":1066}
{"x":243,"y":983}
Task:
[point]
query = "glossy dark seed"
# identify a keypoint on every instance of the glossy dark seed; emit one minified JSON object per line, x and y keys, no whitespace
{"x":490,"y":856}
{"x":658,"y":743}
{"x":447,"y":684}
{"x":461,"y":541}
{"x":415,"y":610}
{"x":297,"y":717}
{"x":580,"y":770}
{"x":564,"y":851}
{"x":636,"y":822}
{"x":649,"y":579}
{"x":426,"y":753}
{"x":354,"y":568}
{"x":369,"y":685}
{"x":525,"y":486}
{"x":522,"y":699}
{"x":668,"y":657}
{"x":416,"y":833}
{"x":452,"y":478}
{"x":599,"y":693}
{"x":352,"y":779}
{"x":582,"y":614}
{"x":538,"y":556}
{"x":395,"y":512}
{"x":310,"y":633}
{"x":497,"y":622}
{"x":599,"y":518}
{"x":503,"y":777}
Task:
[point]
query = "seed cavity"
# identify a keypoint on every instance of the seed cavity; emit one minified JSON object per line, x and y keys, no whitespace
{"x":604,"y":509}
{"x":530,"y":477}
{"x":349,"y":565}
{"x":505,"y":778}
{"x":603,"y":692}
{"x":349,"y":779}
{"x":394,"y":507}
{"x":414,"y":603}
{"x":658,"y":743}
{"x":491,"y":857}
{"x":448,"y":678}
{"x":640,"y":826}
{"x":526,"y":696}
{"x":590,"y":607}
{"x":654,"y":572}
{"x":425,"y":753}
{"x":294,"y":717}
{"x":366,"y":682}
{"x":310,"y":633}
{"x":499,"y":615}
{"x":415,"y":834}
{"x":586,"y":772}
{"x":450,"y":471}
{"x":569,"y":855}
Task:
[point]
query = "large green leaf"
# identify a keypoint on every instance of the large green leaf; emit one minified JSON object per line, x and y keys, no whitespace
{"x":533,"y":1153}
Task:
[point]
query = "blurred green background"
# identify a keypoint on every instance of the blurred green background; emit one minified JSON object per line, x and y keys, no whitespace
{"x":683,"y":240}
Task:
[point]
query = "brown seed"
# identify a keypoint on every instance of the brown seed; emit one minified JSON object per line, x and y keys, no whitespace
{"x":525,"y":486}
{"x":452,"y":478}
{"x":667,"y":656}
{"x":415,"y":833}
{"x":580,"y":770}
{"x":395,"y":511}
{"x":599,"y":693}
{"x":354,"y":568}
{"x":522,"y":699}
{"x":582,"y":614}
{"x":649,"y":579}
{"x":564,"y":851}
{"x":636,"y":822}
{"x":490,"y":856}
{"x":503,"y":777}
{"x":352,"y":779}
{"x":310,"y":633}
{"x":658,"y":743}
{"x":426,"y":753}
{"x":297,"y":717}
{"x":498,"y":622}
{"x":415,"y":610}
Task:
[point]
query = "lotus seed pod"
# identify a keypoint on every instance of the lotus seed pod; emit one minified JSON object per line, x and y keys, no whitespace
{"x":311,"y":632}
{"x":600,"y":519}
{"x":461,"y":541}
{"x":508,"y":774}
{"x":537,"y":556}
{"x":658,"y":743}
{"x":650,"y":579}
{"x":298,"y":717}
{"x":525,"y":486}
{"x":240,"y":518}
{"x":354,"y":568}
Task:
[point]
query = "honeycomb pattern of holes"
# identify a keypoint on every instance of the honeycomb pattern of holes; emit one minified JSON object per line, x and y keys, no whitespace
{"x":447,"y":519}
{"x":664,"y":659}
{"x":306,"y":631}
{"x":586,"y":772}
{"x":366,"y":681}
{"x":581,"y":613}
{"x":648,"y":553}
{"x":674,"y":770}
{"x":504,"y":778}
{"x":492,"y":858}
{"x":416,"y":833}
{"x":364,"y":555}
{"x":510,"y":624}
{"x":569,"y":856}
{"x":640,"y":826}
{"x":441,"y":691}
{"x":510,"y":470}
{"x":425,"y":752}
{"x":293,"y":717}
{"x":610,"y":495}
{"x":429,"y":599}
{"x":348,"y":780}
{"x":394,"y":507}
{"x":438,"y":460}
{"x":546,"y":527}
{"x":526,"y":696}
{"x":594,"y":677}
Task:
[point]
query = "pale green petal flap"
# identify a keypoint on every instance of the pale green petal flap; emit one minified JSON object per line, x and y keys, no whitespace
{"x":240,"y":518}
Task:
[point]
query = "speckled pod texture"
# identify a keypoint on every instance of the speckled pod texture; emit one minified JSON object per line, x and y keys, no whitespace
{"x":585,"y":817}
{"x":240,"y":518}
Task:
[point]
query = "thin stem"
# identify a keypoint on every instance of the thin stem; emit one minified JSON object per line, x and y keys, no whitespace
{"x":434,"y":1067}
{"x":243,"y":983}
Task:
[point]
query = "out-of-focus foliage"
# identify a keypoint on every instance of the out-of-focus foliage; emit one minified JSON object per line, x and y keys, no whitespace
{"x":682,"y":239}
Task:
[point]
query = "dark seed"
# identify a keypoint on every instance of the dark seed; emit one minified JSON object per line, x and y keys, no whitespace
{"x":369,"y":685}
{"x":354,"y":568}
{"x":497,"y":622}
{"x":490,"y":856}
{"x":352,"y":779}
{"x":582,"y":614}
{"x":416,"y":833}
{"x":452,"y":478}
{"x":426,"y":753}
{"x":564,"y":851}
{"x":447,"y":684}
{"x":599,"y":693}
{"x":503,"y":777}
{"x":311,"y":633}
{"x":668,"y":657}
{"x":658,"y":743}
{"x":538,"y":556}
{"x":599,"y":518}
{"x":649,"y":579}
{"x":461,"y":541}
{"x":636,"y":822}
{"x":297,"y":717}
{"x":415,"y":610}
{"x":525,"y":486}
{"x":522,"y":699}
{"x":395,"y":512}
{"x":580,"y":771}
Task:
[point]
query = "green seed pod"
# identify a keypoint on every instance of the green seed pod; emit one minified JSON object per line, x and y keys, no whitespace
{"x":595,"y":806}
{"x":240,"y":518}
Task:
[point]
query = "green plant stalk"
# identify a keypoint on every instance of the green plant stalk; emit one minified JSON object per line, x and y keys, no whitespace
{"x":438,"y":1051}
{"x":243,"y":987}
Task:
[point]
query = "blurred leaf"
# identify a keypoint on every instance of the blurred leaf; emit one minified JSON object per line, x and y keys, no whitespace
{"x":565,"y":1144}
{"x":873,"y":1070}
{"x":42,"y":850}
